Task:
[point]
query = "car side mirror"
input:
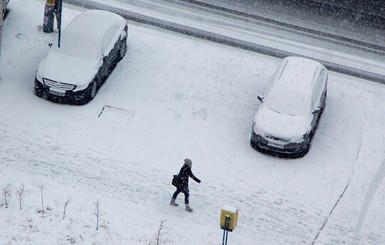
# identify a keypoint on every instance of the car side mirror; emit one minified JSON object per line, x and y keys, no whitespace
{"x":50,"y":45}
{"x":260,"y":98}
{"x":316,"y":111}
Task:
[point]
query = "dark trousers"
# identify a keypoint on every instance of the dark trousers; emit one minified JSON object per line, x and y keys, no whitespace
{"x":184,"y":191}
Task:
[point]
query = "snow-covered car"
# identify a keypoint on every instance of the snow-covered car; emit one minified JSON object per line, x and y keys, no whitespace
{"x":91,"y":46}
{"x":291,"y":107}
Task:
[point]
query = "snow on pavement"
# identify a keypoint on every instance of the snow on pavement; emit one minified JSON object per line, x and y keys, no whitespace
{"x":170,"y":98}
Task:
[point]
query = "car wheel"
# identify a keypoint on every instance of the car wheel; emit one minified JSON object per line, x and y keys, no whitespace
{"x":39,"y":93}
{"x":94,"y":89}
{"x":324,"y":99}
{"x":89,"y":92}
{"x":303,"y":152}
{"x":38,"y":90}
{"x":123,"y":49}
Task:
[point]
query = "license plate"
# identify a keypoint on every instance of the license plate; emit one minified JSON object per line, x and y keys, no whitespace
{"x":275,"y":145}
{"x":57,"y":93}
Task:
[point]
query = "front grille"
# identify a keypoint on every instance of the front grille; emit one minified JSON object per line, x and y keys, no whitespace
{"x":277,"y":138}
{"x":58,"y":85}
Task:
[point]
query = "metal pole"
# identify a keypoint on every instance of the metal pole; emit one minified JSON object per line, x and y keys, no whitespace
{"x":58,"y":18}
{"x":223,"y":237}
{"x":226,"y":230}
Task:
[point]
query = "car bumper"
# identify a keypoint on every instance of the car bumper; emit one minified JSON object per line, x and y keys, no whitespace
{"x":66,"y":96}
{"x":285,"y":150}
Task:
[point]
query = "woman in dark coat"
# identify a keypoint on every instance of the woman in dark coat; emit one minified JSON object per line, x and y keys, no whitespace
{"x":182,"y":186}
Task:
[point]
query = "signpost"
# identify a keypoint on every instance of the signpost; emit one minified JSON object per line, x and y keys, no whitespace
{"x":228,"y":222}
{"x":59,"y":11}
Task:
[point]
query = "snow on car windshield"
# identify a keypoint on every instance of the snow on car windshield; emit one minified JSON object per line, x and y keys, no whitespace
{"x":293,"y":103}
{"x":291,"y":93}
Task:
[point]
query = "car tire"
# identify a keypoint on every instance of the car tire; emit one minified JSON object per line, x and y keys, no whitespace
{"x":303,"y":152}
{"x":90,"y":92}
{"x":39,"y":92}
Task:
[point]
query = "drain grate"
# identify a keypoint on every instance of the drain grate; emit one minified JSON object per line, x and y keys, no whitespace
{"x":116,"y":114}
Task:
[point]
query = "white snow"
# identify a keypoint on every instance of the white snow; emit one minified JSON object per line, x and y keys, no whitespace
{"x":173,"y":97}
{"x":84,"y":36}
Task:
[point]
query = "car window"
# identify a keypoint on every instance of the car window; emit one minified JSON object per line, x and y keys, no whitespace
{"x":318,"y":89}
{"x":108,"y":41}
{"x":287,"y":101}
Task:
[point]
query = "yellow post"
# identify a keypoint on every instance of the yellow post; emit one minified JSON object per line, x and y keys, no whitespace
{"x":232,"y":219}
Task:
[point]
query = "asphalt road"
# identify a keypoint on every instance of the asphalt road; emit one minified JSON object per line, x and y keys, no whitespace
{"x":140,"y":11}
{"x":360,"y":26}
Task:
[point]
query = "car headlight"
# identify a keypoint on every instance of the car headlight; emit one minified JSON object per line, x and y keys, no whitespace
{"x":39,"y":77}
{"x":258,"y":135}
{"x":300,"y":139}
{"x":257,"y":130}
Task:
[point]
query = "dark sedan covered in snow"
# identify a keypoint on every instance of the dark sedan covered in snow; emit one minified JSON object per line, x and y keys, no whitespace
{"x":92,"y":44}
{"x":291,"y":108}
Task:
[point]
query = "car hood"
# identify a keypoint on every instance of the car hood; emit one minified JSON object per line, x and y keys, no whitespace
{"x":65,"y":69}
{"x":282,"y":125}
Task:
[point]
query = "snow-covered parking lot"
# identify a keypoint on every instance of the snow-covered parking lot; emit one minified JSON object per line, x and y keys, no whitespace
{"x":173,"y":97}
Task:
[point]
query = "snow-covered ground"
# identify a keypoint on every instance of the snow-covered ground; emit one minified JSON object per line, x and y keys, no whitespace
{"x":173,"y":97}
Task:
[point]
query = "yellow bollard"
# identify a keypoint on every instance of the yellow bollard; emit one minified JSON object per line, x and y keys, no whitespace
{"x":230,"y":222}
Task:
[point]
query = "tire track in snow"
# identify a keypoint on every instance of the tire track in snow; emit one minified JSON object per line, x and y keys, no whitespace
{"x":372,"y":189}
{"x":346,"y":186}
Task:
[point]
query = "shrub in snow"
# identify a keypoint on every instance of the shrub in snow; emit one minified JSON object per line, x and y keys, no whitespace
{"x":97,"y":213}
{"x":42,"y":199}
{"x":160,"y":232}
{"x":65,"y":207}
{"x":7,"y":194}
{"x":20,"y":193}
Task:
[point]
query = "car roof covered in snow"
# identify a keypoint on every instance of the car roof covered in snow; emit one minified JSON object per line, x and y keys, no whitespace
{"x":298,"y":72}
{"x":292,"y":88}
{"x":84,"y":34}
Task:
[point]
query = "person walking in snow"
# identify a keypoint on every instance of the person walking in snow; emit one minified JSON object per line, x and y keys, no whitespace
{"x":182,"y":184}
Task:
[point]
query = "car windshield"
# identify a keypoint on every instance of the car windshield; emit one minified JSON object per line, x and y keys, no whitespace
{"x":294,"y":103}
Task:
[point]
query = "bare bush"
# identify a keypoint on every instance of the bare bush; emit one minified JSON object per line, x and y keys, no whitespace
{"x":160,"y":232}
{"x":6,"y":194}
{"x":65,"y":207}
{"x":20,"y":193}
{"x":42,"y":199}
{"x":97,"y":213}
